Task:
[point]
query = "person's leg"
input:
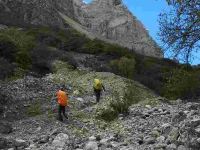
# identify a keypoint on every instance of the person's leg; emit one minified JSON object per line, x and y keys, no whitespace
{"x":98,"y":94}
{"x":95,"y":93}
{"x":63,"y":111}
{"x":59,"y":113}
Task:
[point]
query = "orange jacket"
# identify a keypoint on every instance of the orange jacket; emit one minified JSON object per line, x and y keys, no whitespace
{"x":62,"y":98}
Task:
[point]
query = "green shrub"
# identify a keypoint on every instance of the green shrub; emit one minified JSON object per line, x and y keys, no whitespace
{"x":114,"y":49}
{"x":34,"y":110}
{"x":119,"y":104}
{"x":181,"y":83}
{"x":124,"y":66}
{"x":93,"y":46}
{"x":36,"y":31}
{"x":23,"y":42}
{"x":18,"y":73}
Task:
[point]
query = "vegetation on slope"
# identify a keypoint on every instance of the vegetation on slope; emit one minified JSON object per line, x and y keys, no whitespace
{"x":120,"y":92}
{"x":35,"y":49}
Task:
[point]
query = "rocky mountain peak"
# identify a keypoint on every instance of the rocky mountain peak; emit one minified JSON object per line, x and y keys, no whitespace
{"x":109,"y":2}
{"x":108,"y":20}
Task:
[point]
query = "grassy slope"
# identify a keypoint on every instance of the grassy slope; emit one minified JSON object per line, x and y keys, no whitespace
{"x":153,"y":73}
{"x":116,"y":87}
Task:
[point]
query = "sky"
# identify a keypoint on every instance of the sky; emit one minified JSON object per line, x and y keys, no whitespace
{"x":147,"y":11}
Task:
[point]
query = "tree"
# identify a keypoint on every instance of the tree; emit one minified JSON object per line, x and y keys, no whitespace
{"x":180,"y":28}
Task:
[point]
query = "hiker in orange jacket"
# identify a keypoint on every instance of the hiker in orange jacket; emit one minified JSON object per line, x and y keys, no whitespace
{"x":62,"y":99}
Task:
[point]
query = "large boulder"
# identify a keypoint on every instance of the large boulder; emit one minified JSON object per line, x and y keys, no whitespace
{"x":60,"y":140}
{"x":91,"y":145}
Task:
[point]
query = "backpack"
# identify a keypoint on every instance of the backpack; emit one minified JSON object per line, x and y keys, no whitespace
{"x":97,"y":84}
{"x":62,"y":98}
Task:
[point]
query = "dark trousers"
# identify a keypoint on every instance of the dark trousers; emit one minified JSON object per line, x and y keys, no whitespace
{"x":61,"y":110}
{"x":97,"y":94}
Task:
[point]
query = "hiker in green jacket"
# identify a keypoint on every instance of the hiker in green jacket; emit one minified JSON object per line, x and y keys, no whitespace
{"x":98,"y":87}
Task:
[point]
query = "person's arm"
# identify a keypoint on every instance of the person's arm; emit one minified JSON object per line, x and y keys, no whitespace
{"x":56,"y":97}
{"x":103,"y":87}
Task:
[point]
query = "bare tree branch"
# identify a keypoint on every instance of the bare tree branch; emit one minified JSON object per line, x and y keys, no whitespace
{"x":180,"y":28}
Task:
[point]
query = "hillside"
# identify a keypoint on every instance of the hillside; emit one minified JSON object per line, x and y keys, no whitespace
{"x":36,"y":61}
{"x":32,"y":50}
{"x":107,"y":20}
{"x":29,"y":106}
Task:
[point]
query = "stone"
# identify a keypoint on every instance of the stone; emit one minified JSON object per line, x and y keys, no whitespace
{"x":20,"y":143}
{"x":3,"y":27}
{"x":76,"y":92}
{"x":173,"y":135}
{"x":92,"y":138}
{"x":60,"y":140}
{"x":44,"y":139}
{"x":160,"y":146}
{"x":171,"y":147}
{"x":91,"y":145}
{"x":195,"y":122}
{"x":155,"y":134}
{"x":126,"y":148}
{"x":149,"y":140}
{"x":5,"y":127}
{"x":32,"y":146}
{"x":148,"y":106}
{"x":181,"y":147}
{"x":198,"y":140}
{"x":104,"y":141}
{"x":179,"y":101}
{"x":179,"y":117}
{"x":166,"y":128}
{"x":160,"y":139}
{"x":114,"y":144}
{"x":193,"y":106}
{"x":197,"y":130}
{"x":98,"y":137}
{"x":80,"y":99}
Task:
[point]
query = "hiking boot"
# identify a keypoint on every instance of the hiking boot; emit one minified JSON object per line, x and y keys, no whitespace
{"x":65,"y":116}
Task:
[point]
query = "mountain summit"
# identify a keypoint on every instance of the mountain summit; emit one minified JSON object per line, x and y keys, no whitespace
{"x":108,"y":20}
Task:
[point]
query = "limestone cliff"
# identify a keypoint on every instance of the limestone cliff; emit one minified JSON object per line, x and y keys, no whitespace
{"x":108,"y":20}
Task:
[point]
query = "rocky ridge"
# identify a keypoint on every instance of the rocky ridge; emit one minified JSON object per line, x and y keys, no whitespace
{"x":108,"y":20}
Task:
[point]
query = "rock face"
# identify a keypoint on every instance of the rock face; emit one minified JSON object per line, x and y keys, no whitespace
{"x":108,"y":20}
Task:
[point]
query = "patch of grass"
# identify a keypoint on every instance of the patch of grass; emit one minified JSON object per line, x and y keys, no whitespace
{"x":80,"y":132}
{"x":17,"y":74}
{"x":34,"y":110}
{"x":120,"y":104}
{"x":80,"y":114}
{"x":50,"y":113}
